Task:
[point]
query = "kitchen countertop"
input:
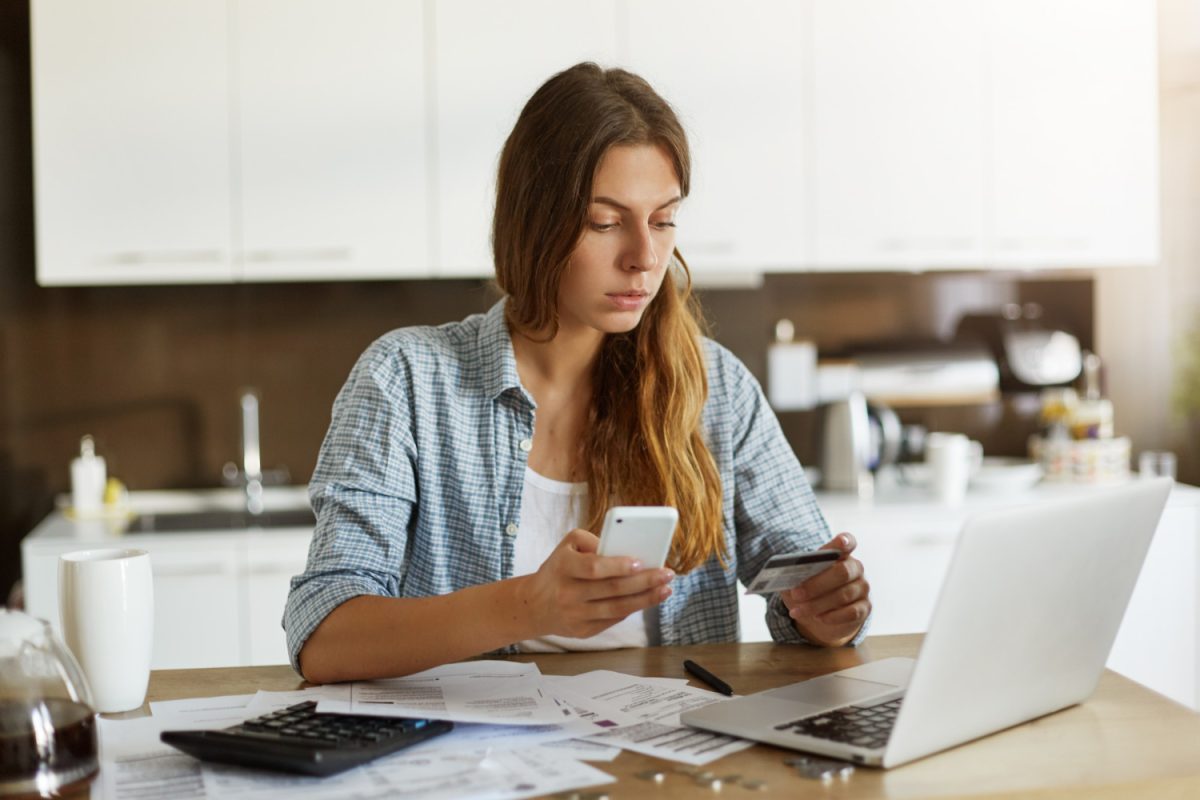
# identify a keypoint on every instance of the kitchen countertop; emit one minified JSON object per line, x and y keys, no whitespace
{"x":60,"y":526}
{"x":892,"y":497}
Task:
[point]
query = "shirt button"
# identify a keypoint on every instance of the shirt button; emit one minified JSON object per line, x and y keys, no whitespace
{"x":526,"y":445}
{"x":512,"y":529}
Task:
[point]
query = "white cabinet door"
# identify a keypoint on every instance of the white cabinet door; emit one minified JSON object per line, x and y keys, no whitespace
{"x":490,"y":58}
{"x":898,"y":142}
{"x":330,"y":100}
{"x":1158,"y":644}
{"x":736,"y":74}
{"x":132,"y":153}
{"x":197,"y":604}
{"x":272,"y":559}
{"x":1074,"y":132}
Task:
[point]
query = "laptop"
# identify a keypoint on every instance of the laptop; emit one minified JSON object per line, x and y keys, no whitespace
{"x":1023,"y":625}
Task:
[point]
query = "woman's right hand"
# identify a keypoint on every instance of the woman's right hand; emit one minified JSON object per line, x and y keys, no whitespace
{"x":577,"y":593}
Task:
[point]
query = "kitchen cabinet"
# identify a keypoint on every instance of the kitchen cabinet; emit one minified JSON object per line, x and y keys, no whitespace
{"x":489,"y":59}
{"x":330,"y":121}
{"x":211,"y":142}
{"x":984,"y":133}
{"x":196,"y":604}
{"x":132,"y":154}
{"x":899,"y":110}
{"x":737,"y":76}
{"x":1074,"y":132}
{"x":271,"y":562}
{"x":265,"y":140}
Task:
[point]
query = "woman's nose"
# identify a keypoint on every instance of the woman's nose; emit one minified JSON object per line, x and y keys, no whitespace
{"x":641,"y":255}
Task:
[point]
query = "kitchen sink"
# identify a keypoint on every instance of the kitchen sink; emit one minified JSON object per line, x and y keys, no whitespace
{"x":220,"y":520}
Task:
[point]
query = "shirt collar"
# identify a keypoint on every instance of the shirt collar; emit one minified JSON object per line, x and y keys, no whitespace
{"x":496,"y":354}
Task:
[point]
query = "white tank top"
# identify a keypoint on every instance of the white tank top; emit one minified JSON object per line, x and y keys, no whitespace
{"x":549,"y":510}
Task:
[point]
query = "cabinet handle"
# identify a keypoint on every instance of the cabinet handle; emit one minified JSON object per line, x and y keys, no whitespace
{"x":154,"y":258}
{"x":300,"y":254}
{"x":189,"y":570}
{"x":710,"y":248}
{"x":1010,"y":244}
{"x":274,"y":569}
{"x":946,"y":243}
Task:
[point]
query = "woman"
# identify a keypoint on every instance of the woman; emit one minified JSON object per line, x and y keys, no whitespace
{"x":450,"y":524}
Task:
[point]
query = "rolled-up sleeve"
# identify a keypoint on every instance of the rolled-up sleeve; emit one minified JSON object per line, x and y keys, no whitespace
{"x":775,"y":510}
{"x":363,"y":492}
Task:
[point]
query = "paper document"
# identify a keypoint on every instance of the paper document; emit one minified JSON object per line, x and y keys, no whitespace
{"x":264,"y":702}
{"x":135,"y":765}
{"x":582,"y":749}
{"x":203,"y":712}
{"x":493,"y":692}
{"x":643,"y":715}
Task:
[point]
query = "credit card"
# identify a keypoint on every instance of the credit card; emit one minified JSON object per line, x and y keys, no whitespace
{"x":790,"y":569}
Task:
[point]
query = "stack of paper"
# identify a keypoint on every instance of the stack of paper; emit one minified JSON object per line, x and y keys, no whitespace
{"x":517,"y":734}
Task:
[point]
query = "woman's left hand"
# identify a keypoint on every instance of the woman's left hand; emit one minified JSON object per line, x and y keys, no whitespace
{"x":829,"y":608}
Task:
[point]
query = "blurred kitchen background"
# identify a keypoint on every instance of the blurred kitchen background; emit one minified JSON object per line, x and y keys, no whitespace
{"x":875,"y":172}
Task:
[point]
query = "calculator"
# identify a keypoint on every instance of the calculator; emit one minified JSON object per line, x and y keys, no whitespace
{"x":298,"y":739}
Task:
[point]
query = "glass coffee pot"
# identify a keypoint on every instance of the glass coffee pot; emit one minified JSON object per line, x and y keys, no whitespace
{"x":47,"y":725}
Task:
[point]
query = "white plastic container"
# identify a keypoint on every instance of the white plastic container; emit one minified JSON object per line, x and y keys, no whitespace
{"x":88,"y":476}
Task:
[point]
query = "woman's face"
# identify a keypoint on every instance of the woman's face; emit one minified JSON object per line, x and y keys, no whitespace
{"x":619,"y":263}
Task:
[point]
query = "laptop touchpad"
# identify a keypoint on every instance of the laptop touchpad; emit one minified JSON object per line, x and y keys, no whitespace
{"x":832,"y":690}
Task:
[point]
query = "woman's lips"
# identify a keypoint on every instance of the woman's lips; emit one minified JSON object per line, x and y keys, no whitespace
{"x":628,"y":301}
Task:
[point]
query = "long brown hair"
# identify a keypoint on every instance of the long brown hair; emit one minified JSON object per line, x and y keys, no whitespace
{"x":643,"y":443}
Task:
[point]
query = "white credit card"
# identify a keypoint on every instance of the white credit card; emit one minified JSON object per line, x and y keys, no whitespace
{"x":790,"y":569}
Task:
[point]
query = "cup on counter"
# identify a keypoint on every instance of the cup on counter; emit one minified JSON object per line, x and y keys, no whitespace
{"x":1156,"y":464}
{"x":950,"y":457}
{"x":106,"y":598}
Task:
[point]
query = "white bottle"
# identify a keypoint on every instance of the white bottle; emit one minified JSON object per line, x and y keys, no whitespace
{"x":88,"y":476}
{"x":791,"y":370}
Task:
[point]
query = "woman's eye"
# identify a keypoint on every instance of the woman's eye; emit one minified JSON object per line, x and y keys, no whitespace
{"x":603,"y":226}
{"x":662,"y":226}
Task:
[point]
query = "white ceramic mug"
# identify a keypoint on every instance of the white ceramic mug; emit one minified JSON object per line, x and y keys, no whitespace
{"x":949,"y":456}
{"x":106,"y":598}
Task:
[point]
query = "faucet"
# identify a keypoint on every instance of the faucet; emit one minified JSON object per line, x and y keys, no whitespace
{"x":251,"y":475}
{"x":251,"y":458}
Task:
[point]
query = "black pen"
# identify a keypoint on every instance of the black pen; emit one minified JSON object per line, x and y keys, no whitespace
{"x":707,"y":677}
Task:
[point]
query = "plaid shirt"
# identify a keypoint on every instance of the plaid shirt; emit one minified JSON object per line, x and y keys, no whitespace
{"x":417,"y":489}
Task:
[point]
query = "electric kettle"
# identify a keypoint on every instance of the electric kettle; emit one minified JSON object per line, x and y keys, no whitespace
{"x":858,"y":438}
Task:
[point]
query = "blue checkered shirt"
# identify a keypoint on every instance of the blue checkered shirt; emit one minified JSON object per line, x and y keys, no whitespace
{"x":417,"y":489}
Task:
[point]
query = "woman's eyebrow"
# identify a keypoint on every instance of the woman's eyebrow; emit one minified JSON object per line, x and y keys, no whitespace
{"x":608,"y":201}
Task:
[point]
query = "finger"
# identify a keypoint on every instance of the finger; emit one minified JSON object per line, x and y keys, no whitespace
{"x":591,"y":567}
{"x":845,"y":595}
{"x":843,"y":543}
{"x":853,"y":614}
{"x":622,"y":607}
{"x":592,"y":590}
{"x":581,"y":541}
{"x":842,"y":572}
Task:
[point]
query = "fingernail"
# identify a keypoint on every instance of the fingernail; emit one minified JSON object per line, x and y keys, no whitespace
{"x":667,"y":575}
{"x":634,"y":566}
{"x":664,"y":592}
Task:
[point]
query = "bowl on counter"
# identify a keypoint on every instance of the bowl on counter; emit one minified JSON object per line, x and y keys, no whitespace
{"x":1006,"y":474}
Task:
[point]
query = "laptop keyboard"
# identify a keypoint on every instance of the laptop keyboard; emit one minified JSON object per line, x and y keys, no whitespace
{"x":861,"y":726}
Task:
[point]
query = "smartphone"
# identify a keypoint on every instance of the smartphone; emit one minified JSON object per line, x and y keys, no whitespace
{"x":641,"y":532}
{"x":790,"y":569}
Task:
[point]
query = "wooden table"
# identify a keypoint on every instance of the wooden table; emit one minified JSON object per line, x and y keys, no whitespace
{"x":1125,"y":742}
